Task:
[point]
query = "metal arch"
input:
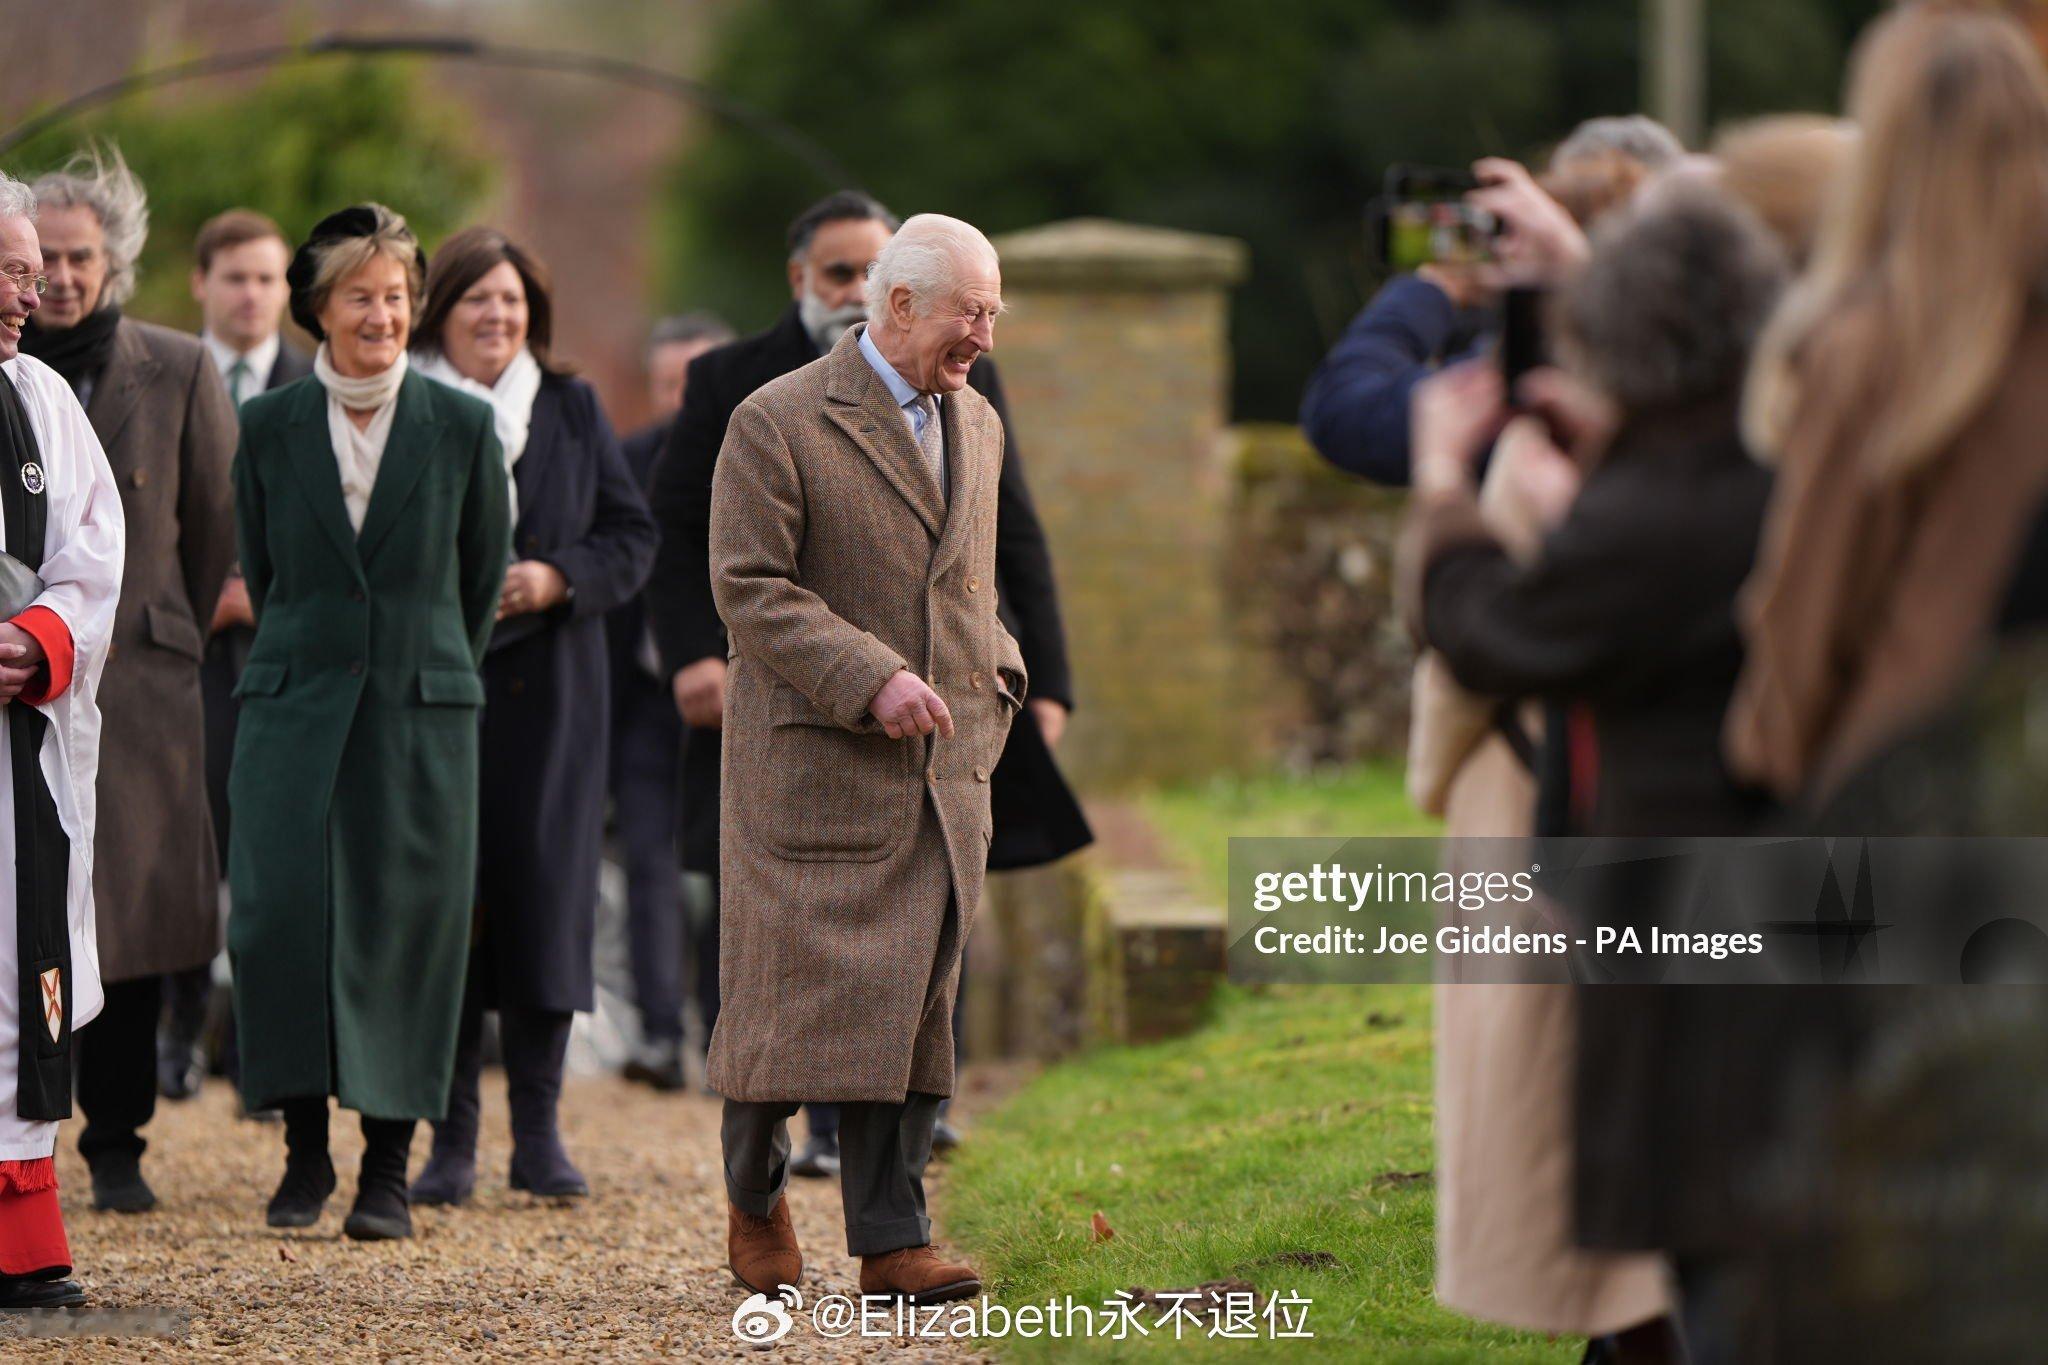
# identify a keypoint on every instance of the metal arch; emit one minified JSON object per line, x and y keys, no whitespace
{"x":455,"y":47}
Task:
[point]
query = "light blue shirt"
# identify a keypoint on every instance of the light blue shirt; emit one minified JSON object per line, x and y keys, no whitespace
{"x":898,"y":388}
{"x":905,"y":396}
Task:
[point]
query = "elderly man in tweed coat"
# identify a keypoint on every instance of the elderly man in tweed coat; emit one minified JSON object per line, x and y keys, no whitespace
{"x":871,"y":687}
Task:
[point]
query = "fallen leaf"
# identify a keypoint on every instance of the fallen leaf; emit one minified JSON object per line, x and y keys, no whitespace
{"x":284,"y":1253}
{"x":1099,"y":1229}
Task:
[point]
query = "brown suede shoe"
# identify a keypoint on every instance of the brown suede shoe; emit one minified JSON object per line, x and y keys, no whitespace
{"x":918,"y":1275}
{"x":762,"y":1252}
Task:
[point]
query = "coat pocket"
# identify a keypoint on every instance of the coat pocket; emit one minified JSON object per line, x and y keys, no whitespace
{"x":830,"y":794}
{"x":260,"y":678}
{"x":451,"y":687}
{"x":174,"y":631}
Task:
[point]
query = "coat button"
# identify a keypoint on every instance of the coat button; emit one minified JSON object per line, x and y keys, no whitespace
{"x":974,"y":680}
{"x":140,"y":479}
{"x":931,"y":774}
{"x":355,"y":669}
{"x":516,"y":687}
{"x":981,"y":774}
{"x":532,"y":544}
{"x":974,"y":585}
{"x":358,"y":595}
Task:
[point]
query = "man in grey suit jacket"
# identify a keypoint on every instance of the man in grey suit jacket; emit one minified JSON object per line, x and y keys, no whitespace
{"x":160,"y":411}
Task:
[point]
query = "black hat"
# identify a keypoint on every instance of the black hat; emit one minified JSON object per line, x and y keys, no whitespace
{"x":357,"y":220}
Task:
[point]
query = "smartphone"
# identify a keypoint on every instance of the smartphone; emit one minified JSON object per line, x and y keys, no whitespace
{"x":1422,"y":218}
{"x":1523,"y":346}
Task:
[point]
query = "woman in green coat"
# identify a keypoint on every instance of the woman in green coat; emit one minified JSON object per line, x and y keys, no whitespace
{"x":374,"y":521}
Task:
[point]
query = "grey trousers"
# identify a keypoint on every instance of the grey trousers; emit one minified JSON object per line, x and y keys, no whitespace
{"x":883,"y":1149}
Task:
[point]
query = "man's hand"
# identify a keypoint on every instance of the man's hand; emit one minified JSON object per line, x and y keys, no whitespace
{"x":906,"y":707}
{"x":234,"y":607}
{"x":21,"y":658}
{"x":1051,"y":718}
{"x":700,"y":694}
{"x":1539,"y":241}
{"x":531,"y":585}
{"x":1463,"y":285}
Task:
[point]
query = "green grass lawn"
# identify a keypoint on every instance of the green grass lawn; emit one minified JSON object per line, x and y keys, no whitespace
{"x":1287,"y":1143}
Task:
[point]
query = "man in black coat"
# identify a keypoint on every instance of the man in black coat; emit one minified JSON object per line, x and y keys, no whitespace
{"x":1036,"y":817}
{"x":238,"y":281}
{"x":647,"y":750}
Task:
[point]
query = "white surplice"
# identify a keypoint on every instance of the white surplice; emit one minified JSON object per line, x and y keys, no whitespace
{"x":82,"y":557}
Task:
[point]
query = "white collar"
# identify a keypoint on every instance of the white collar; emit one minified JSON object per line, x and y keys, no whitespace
{"x":261,"y":359}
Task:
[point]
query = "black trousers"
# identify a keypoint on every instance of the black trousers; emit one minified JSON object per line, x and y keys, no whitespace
{"x":117,"y":1068}
{"x":883,"y":1150}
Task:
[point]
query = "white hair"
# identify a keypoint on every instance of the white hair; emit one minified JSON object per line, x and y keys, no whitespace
{"x":928,"y":255}
{"x":17,"y":200}
{"x":1636,"y":136}
{"x":100,"y":180}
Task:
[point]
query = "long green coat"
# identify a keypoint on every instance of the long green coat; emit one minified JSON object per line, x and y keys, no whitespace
{"x":352,"y":855}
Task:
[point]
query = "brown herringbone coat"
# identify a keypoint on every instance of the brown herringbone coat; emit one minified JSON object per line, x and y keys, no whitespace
{"x":844,"y":854}
{"x":169,"y":430}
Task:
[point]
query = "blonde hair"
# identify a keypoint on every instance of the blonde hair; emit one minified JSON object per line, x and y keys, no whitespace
{"x":338,"y":258}
{"x":1930,"y":249}
{"x":1784,"y":167}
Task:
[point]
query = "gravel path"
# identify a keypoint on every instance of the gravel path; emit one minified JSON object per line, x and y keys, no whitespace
{"x":637,"y":1272}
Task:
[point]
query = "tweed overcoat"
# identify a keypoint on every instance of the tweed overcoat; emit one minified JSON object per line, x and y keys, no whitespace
{"x":352,"y":852}
{"x":851,"y":864}
{"x":1037,"y":818}
{"x":163,"y":415}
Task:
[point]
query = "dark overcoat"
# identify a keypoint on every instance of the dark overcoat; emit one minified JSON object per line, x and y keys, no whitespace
{"x":352,"y":861}
{"x":1038,"y":818}
{"x":850,"y":863}
{"x":1626,"y":623}
{"x":547,"y":706}
{"x":168,"y":427}
{"x":228,"y":650}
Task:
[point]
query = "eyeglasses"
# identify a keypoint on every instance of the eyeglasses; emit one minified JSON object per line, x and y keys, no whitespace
{"x":25,"y":282}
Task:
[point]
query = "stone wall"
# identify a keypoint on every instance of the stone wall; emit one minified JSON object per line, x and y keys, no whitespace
{"x":1311,"y":591}
{"x":1116,"y":359}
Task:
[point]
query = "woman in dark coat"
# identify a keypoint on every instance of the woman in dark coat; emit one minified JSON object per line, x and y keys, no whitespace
{"x":1625,"y":624}
{"x":373,"y":526}
{"x":583,"y":543}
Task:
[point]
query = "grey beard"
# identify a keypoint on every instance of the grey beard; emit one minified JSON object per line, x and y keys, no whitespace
{"x":826,"y":325}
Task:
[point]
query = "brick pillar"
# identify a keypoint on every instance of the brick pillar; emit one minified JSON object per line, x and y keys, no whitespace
{"x":1115,"y":356}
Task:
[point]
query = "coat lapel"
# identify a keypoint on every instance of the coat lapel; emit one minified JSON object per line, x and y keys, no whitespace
{"x":312,"y":459}
{"x":130,"y":367}
{"x":861,"y":406}
{"x":538,"y":462}
{"x":967,"y":467}
{"x":414,"y":428}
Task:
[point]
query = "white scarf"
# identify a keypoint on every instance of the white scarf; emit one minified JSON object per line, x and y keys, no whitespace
{"x":511,"y":398}
{"x":358,"y":451}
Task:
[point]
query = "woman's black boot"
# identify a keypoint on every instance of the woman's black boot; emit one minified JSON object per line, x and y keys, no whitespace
{"x":449,"y":1177}
{"x":536,"y":1045}
{"x":308,"y":1171}
{"x":381,"y":1213}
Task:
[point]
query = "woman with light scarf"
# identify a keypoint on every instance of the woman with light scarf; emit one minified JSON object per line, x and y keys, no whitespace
{"x":583,"y":544}
{"x":374,"y":528}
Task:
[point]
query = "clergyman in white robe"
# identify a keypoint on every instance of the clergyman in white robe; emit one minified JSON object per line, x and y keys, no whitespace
{"x":81,"y":568}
